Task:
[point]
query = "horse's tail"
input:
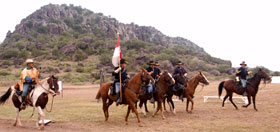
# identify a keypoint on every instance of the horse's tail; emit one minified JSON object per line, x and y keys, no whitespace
{"x":5,"y":97}
{"x":98,"y":95}
{"x":221,"y":85}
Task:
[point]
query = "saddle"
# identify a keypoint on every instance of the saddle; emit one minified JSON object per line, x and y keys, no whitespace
{"x":113,"y":88}
{"x":19,"y":93}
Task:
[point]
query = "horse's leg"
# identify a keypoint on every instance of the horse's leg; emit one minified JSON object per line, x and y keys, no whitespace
{"x":105,"y":108}
{"x":249,"y":101}
{"x":42,"y":115}
{"x":142,"y":108}
{"x":225,"y":98}
{"x":160,"y":107}
{"x":17,"y":118}
{"x":254,"y":102}
{"x":164,"y":108}
{"x":108,"y":105}
{"x":127,"y":114}
{"x":230,"y":99}
{"x":136,"y":113}
{"x":146,"y":108}
{"x":156,"y":110}
{"x":187,"y":105}
{"x":189,"y":99}
{"x":171,"y":105}
{"x":37,"y":123}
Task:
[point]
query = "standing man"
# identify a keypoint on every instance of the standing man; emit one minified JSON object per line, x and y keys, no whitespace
{"x":180,"y":71}
{"x":124,"y":78}
{"x":150,"y":70}
{"x":28,"y":76}
{"x":241,"y":75}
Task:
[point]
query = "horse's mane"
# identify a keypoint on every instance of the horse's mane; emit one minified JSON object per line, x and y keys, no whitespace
{"x":44,"y":80}
{"x":252,"y":78}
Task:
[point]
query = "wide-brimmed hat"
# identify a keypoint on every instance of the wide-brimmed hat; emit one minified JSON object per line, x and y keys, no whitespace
{"x":29,"y":61}
{"x":151,"y":63}
{"x":123,"y":61}
{"x":243,"y":63}
{"x":179,"y":63}
{"x":156,"y":63}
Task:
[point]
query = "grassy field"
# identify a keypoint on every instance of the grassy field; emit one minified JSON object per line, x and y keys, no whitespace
{"x":78,"y":111}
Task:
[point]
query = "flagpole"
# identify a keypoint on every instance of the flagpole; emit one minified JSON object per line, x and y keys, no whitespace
{"x":120,"y":73}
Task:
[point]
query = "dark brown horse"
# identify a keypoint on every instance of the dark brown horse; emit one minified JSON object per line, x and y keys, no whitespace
{"x":189,"y":89}
{"x":162,"y":84}
{"x":129,"y":95}
{"x":251,"y":88}
{"x":38,"y":98}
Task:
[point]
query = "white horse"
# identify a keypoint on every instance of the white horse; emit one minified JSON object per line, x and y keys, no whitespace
{"x":38,"y":98}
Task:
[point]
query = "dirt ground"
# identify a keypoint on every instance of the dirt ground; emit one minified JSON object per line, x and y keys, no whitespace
{"x":78,"y":111}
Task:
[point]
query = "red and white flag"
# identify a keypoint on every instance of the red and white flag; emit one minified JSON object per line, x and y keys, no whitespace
{"x":117,"y":54}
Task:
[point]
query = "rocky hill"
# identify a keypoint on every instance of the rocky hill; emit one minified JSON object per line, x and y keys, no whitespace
{"x":70,"y":37}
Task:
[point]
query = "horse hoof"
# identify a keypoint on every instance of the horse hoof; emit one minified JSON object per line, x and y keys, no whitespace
{"x":41,"y":128}
{"x":256,"y":109}
{"x":163,"y":118}
{"x":126,"y":123}
{"x":244,"y":106}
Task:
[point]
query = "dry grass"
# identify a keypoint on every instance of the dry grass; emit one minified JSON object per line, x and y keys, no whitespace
{"x":76,"y":111}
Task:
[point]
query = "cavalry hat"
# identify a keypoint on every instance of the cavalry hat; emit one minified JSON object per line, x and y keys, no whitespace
{"x":179,"y":63}
{"x":156,"y":63}
{"x":151,"y":63}
{"x":29,"y":61}
{"x":243,"y":63}
{"x":123,"y":61}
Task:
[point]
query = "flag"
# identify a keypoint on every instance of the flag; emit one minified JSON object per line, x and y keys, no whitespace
{"x":117,"y":53}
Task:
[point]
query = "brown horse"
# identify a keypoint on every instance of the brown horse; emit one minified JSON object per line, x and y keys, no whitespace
{"x":129,"y":95}
{"x":188,"y":90}
{"x":251,"y":88}
{"x":38,"y":98}
{"x":161,"y":86}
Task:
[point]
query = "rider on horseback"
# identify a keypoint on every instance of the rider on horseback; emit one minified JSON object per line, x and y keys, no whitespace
{"x":151,"y":71}
{"x":29,"y":76}
{"x":241,"y":75}
{"x":156,"y":72}
{"x":124,"y":77}
{"x":181,"y":71}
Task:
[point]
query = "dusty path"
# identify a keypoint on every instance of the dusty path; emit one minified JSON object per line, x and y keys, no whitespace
{"x":77,"y":111}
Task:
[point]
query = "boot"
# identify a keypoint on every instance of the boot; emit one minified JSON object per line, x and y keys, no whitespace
{"x":118,"y":99}
{"x":152,"y":100}
{"x":245,"y":93}
{"x":181,"y":97}
{"x":23,"y":104}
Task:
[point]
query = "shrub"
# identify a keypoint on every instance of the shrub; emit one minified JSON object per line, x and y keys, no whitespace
{"x":4,"y":73}
{"x":135,"y":44}
{"x":105,"y":59}
{"x":23,"y":54}
{"x":80,"y":55}
{"x":7,"y":54}
{"x":80,"y":69}
{"x":42,"y":29}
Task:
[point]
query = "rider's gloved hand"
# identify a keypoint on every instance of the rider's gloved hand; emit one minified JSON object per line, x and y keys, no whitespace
{"x":118,"y":70}
{"x":186,"y":74}
{"x":237,"y":79}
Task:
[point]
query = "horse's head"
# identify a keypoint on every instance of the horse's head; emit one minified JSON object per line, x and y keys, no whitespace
{"x":53,"y":84}
{"x":202,"y":78}
{"x":146,"y":77}
{"x":168,"y":77}
{"x":263,"y":75}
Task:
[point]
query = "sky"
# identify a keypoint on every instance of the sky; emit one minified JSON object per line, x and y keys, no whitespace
{"x":235,"y":30}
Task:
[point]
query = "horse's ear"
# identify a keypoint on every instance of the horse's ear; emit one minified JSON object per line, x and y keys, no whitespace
{"x":200,"y":73}
{"x":260,"y":69}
